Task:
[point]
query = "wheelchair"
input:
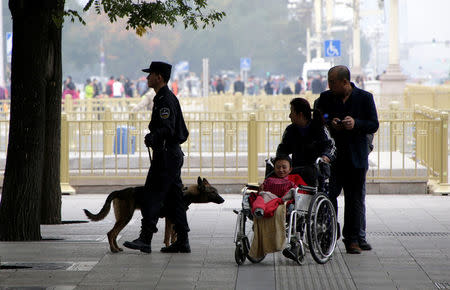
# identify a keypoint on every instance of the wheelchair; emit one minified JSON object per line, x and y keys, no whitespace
{"x":311,"y":222}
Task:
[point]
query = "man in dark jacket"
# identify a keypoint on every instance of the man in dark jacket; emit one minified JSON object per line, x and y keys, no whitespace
{"x":351,"y":115}
{"x":317,"y":85}
{"x":239,"y":86}
{"x":163,"y":185}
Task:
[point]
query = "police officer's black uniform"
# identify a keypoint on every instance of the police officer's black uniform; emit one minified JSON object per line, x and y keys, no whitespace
{"x":163,"y":186}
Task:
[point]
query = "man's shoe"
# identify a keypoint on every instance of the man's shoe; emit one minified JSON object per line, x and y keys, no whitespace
{"x":365,"y":246}
{"x":177,"y":247}
{"x":139,"y":244}
{"x":353,"y":248}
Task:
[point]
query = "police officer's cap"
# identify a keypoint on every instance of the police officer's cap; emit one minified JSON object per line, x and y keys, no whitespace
{"x":160,"y":67}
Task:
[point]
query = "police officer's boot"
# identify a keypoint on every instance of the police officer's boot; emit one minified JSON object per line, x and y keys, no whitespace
{"x":181,"y":245}
{"x":143,"y":243}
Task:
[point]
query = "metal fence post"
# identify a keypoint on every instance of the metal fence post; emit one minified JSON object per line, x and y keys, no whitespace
{"x":261,"y":141}
{"x":68,"y":103}
{"x":64,"y":158}
{"x":252,"y":153}
{"x":228,"y":128}
{"x":108,"y":131}
{"x":444,"y":147}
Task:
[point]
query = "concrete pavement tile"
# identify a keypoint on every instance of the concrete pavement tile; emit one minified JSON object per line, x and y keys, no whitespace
{"x":30,"y":278}
{"x":414,"y":285}
{"x":97,"y":277}
{"x":406,"y":274}
{"x":364,"y":275}
{"x":376,"y":285}
{"x":136,"y":285}
{"x":170,"y":285}
{"x":97,"y":285}
{"x":216,"y":285}
{"x":397,"y":260}
{"x":219,"y":275}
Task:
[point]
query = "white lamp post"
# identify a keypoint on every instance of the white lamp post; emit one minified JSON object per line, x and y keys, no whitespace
{"x":393,"y":81}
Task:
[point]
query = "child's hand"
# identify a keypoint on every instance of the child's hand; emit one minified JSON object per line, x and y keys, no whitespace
{"x":261,"y":187}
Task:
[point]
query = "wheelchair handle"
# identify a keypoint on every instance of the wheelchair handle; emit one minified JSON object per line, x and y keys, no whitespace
{"x":319,"y":160}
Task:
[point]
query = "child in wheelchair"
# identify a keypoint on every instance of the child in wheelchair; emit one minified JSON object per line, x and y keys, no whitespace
{"x":309,"y":215}
{"x":277,"y":188}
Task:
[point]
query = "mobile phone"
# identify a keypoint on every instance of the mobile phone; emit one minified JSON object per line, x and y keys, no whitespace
{"x":338,"y":121}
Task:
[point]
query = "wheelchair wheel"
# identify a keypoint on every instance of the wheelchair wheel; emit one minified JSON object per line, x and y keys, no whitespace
{"x":239,"y":254}
{"x":321,"y":228}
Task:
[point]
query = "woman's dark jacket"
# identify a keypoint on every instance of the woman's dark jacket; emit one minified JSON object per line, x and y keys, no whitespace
{"x":306,"y":144}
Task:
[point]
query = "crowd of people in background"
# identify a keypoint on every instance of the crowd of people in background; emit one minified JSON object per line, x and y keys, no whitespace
{"x":190,"y":85}
{"x":115,"y":87}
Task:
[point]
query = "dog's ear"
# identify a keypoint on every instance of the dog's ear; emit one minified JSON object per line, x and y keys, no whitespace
{"x":201,"y":186}
{"x":205,"y":182}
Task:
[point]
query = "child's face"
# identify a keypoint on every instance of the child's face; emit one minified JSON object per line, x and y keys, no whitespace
{"x":282,"y":168}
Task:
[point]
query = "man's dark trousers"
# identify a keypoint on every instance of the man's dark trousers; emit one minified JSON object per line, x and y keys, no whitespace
{"x":352,"y":180}
{"x":164,"y":188}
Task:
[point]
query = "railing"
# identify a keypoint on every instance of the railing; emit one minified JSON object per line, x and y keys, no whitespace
{"x":431,"y":135}
{"x":436,"y":97}
{"x":408,"y":146}
{"x":230,"y":147}
{"x":212,"y":103}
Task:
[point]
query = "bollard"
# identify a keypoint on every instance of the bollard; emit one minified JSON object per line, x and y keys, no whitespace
{"x":252,"y":154}
{"x":64,"y":157}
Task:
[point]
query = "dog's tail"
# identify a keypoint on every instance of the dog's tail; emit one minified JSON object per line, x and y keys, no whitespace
{"x":105,"y":209}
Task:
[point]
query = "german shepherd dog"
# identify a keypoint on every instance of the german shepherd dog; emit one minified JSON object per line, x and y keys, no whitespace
{"x":127,"y":200}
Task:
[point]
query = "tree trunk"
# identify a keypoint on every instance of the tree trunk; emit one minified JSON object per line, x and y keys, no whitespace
{"x":31,"y":180}
{"x":51,"y":186}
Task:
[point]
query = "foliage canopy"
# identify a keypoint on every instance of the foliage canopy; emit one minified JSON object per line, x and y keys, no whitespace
{"x":143,"y":15}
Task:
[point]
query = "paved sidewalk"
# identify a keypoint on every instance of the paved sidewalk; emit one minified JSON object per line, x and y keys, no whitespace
{"x":410,"y":235}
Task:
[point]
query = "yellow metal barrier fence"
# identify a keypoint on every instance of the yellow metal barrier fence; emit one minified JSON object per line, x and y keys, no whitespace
{"x":212,"y":103}
{"x":231,"y":147}
{"x":436,"y":97}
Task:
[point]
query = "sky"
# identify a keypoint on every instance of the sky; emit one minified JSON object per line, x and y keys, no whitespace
{"x":419,"y":24}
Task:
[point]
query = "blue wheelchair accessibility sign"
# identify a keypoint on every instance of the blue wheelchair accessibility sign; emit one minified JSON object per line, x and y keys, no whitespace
{"x":246,"y":63}
{"x":332,"y":48}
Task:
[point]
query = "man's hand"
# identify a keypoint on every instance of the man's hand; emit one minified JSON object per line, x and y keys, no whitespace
{"x":337,"y":124}
{"x":326,"y":159}
{"x":348,"y":123}
{"x":148,"y":140}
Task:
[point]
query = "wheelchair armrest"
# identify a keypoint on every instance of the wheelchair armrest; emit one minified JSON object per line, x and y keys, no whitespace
{"x":252,"y":186}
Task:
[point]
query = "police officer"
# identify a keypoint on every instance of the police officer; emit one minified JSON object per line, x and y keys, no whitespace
{"x":163,"y":186}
